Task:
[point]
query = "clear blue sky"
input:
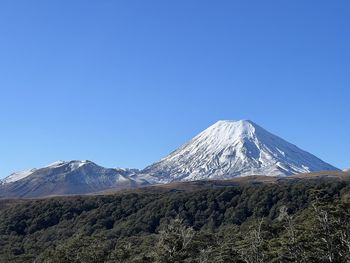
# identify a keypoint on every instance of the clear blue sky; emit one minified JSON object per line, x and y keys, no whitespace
{"x":123,"y":83}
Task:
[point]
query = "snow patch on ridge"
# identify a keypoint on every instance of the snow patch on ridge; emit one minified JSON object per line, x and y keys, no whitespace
{"x":56,"y":164}
{"x":73,"y":165}
{"x":17,"y":176}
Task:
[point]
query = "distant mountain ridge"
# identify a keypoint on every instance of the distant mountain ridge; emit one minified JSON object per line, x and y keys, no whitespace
{"x":67,"y":178}
{"x":225,"y":150}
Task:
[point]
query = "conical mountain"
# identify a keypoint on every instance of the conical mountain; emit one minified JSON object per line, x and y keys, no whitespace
{"x":234,"y":148}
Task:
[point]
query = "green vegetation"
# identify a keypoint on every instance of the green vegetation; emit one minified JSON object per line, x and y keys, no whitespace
{"x":297,"y":221}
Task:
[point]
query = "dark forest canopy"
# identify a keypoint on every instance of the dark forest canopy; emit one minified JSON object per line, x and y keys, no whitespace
{"x":287,"y":221}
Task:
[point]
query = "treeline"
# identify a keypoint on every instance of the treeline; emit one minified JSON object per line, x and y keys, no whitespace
{"x":297,"y":221}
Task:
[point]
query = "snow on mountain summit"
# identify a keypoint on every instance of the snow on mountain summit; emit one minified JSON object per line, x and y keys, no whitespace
{"x":234,"y":148}
{"x":74,"y":164}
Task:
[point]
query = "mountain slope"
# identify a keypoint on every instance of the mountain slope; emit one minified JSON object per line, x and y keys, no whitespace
{"x":17,"y":176}
{"x":233,"y":148}
{"x":65,"y":178}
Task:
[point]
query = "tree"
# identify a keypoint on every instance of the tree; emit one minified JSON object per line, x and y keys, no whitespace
{"x":121,"y":253}
{"x":252,"y":250}
{"x":291,"y":247}
{"x":204,"y":255}
{"x":327,"y":233}
{"x":174,"y":243}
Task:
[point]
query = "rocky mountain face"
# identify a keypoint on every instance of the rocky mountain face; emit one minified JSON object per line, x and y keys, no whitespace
{"x":233,"y":148}
{"x":67,"y":178}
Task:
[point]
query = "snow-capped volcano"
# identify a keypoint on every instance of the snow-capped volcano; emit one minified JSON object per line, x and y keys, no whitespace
{"x":233,"y":148}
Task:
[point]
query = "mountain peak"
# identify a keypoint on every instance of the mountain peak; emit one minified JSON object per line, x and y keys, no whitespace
{"x":236,"y":123}
{"x":74,"y":164}
{"x":226,"y":133}
{"x":239,"y":125}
